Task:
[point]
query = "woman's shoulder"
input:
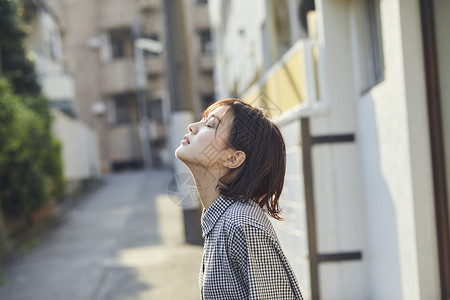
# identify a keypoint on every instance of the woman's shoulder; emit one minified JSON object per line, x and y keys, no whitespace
{"x":242,"y":214}
{"x":246,"y":225}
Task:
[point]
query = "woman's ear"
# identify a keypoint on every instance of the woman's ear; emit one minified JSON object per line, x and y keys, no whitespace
{"x":235,"y":160}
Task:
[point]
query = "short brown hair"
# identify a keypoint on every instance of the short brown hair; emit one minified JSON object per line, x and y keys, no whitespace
{"x":261,"y":176}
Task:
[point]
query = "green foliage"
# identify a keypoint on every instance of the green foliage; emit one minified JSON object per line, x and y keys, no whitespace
{"x":30,"y":161}
{"x":14,"y":64}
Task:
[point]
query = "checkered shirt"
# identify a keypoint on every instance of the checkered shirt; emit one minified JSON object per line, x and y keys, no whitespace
{"x":242,"y":258}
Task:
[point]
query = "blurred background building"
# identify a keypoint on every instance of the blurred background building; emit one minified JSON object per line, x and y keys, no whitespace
{"x":99,"y":42}
{"x":78,"y":139}
{"x":359,"y":89}
{"x":115,"y":49}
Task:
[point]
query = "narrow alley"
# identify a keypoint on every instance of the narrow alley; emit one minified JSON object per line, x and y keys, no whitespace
{"x":123,"y":241}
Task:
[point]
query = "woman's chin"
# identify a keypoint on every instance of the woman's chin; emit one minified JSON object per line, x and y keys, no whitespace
{"x":179,"y":153}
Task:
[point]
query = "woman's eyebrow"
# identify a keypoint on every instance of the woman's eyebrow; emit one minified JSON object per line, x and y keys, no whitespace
{"x":213,"y":116}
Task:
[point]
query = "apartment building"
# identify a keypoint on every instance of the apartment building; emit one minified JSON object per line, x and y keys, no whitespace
{"x":116,"y":52}
{"x":113,"y":92}
{"x":79,"y":142}
{"x":359,"y":90}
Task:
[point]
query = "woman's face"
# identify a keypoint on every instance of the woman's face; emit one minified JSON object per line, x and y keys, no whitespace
{"x":205,"y":143}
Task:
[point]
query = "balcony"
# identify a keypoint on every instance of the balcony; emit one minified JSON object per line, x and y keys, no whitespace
{"x":116,"y":13}
{"x":154,"y":64}
{"x":201,"y":16}
{"x":150,"y":4}
{"x":293,"y":80}
{"x":123,"y":144}
{"x":205,"y":85}
{"x":58,"y":86}
{"x":205,"y":62}
{"x":119,"y":76}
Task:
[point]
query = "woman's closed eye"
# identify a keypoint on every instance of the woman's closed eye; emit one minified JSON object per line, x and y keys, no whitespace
{"x":211,"y":123}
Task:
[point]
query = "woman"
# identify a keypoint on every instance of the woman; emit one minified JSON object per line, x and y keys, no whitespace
{"x":237,"y":157}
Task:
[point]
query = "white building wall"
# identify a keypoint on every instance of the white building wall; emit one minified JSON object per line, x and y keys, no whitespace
{"x":238,"y":48}
{"x":293,"y":232}
{"x":336,"y":166}
{"x":80,"y":151}
{"x":394,"y":142}
{"x":373,"y":195}
{"x":79,"y":142}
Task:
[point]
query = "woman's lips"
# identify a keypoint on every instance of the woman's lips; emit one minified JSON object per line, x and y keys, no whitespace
{"x":185,"y":141}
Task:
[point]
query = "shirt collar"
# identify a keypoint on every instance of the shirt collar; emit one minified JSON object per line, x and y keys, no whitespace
{"x":213,"y":213}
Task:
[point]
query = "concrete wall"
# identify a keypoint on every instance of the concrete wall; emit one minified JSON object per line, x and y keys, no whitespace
{"x":373,"y":195}
{"x":394,"y":146}
{"x":292,"y":232}
{"x":238,"y":45}
{"x":80,"y":150}
{"x":337,"y":183}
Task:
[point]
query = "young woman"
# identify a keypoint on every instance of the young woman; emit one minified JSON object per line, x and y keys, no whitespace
{"x":237,"y":157}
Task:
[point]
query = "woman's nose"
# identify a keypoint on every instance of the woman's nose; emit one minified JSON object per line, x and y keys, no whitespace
{"x":192,"y":128}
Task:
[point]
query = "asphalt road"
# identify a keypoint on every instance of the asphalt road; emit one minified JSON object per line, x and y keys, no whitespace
{"x":123,"y":241}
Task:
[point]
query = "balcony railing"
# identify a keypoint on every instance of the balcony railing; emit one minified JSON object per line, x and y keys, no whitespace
{"x":119,"y":76}
{"x":205,"y":62}
{"x":294,"y":80}
{"x":201,"y":16}
{"x":154,"y":64}
{"x":58,"y":86}
{"x":116,"y":13}
{"x":150,"y":4}
{"x":123,"y":143}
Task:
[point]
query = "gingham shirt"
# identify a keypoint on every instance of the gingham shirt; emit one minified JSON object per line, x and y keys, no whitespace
{"x":242,"y":258}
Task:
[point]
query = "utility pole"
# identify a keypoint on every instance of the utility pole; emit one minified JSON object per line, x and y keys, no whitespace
{"x":181,"y":97}
{"x":141,"y":79}
{"x":180,"y":87}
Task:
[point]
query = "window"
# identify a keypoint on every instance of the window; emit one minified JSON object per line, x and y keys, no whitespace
{"x":55,"y":46}
{"x":121,"y":43}
{"x":205,"y":41}
{"x":154,"y":110}
{"x":280,"y":10}
{"x":206,"y":100}
{"x":275,"y":30}
{"x":267,"y":53}
{"x":117,"y":49}
{"x":306,"y":8}
{"x":207,"y":73}
{"x":370,"y":45}
{"x":123,"y":109}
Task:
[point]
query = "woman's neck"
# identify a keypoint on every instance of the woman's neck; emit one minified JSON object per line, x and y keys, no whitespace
{"x":206,"y":181}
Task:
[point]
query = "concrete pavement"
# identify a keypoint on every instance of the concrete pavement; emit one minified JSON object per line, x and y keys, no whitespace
{"x":124,"y":241}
